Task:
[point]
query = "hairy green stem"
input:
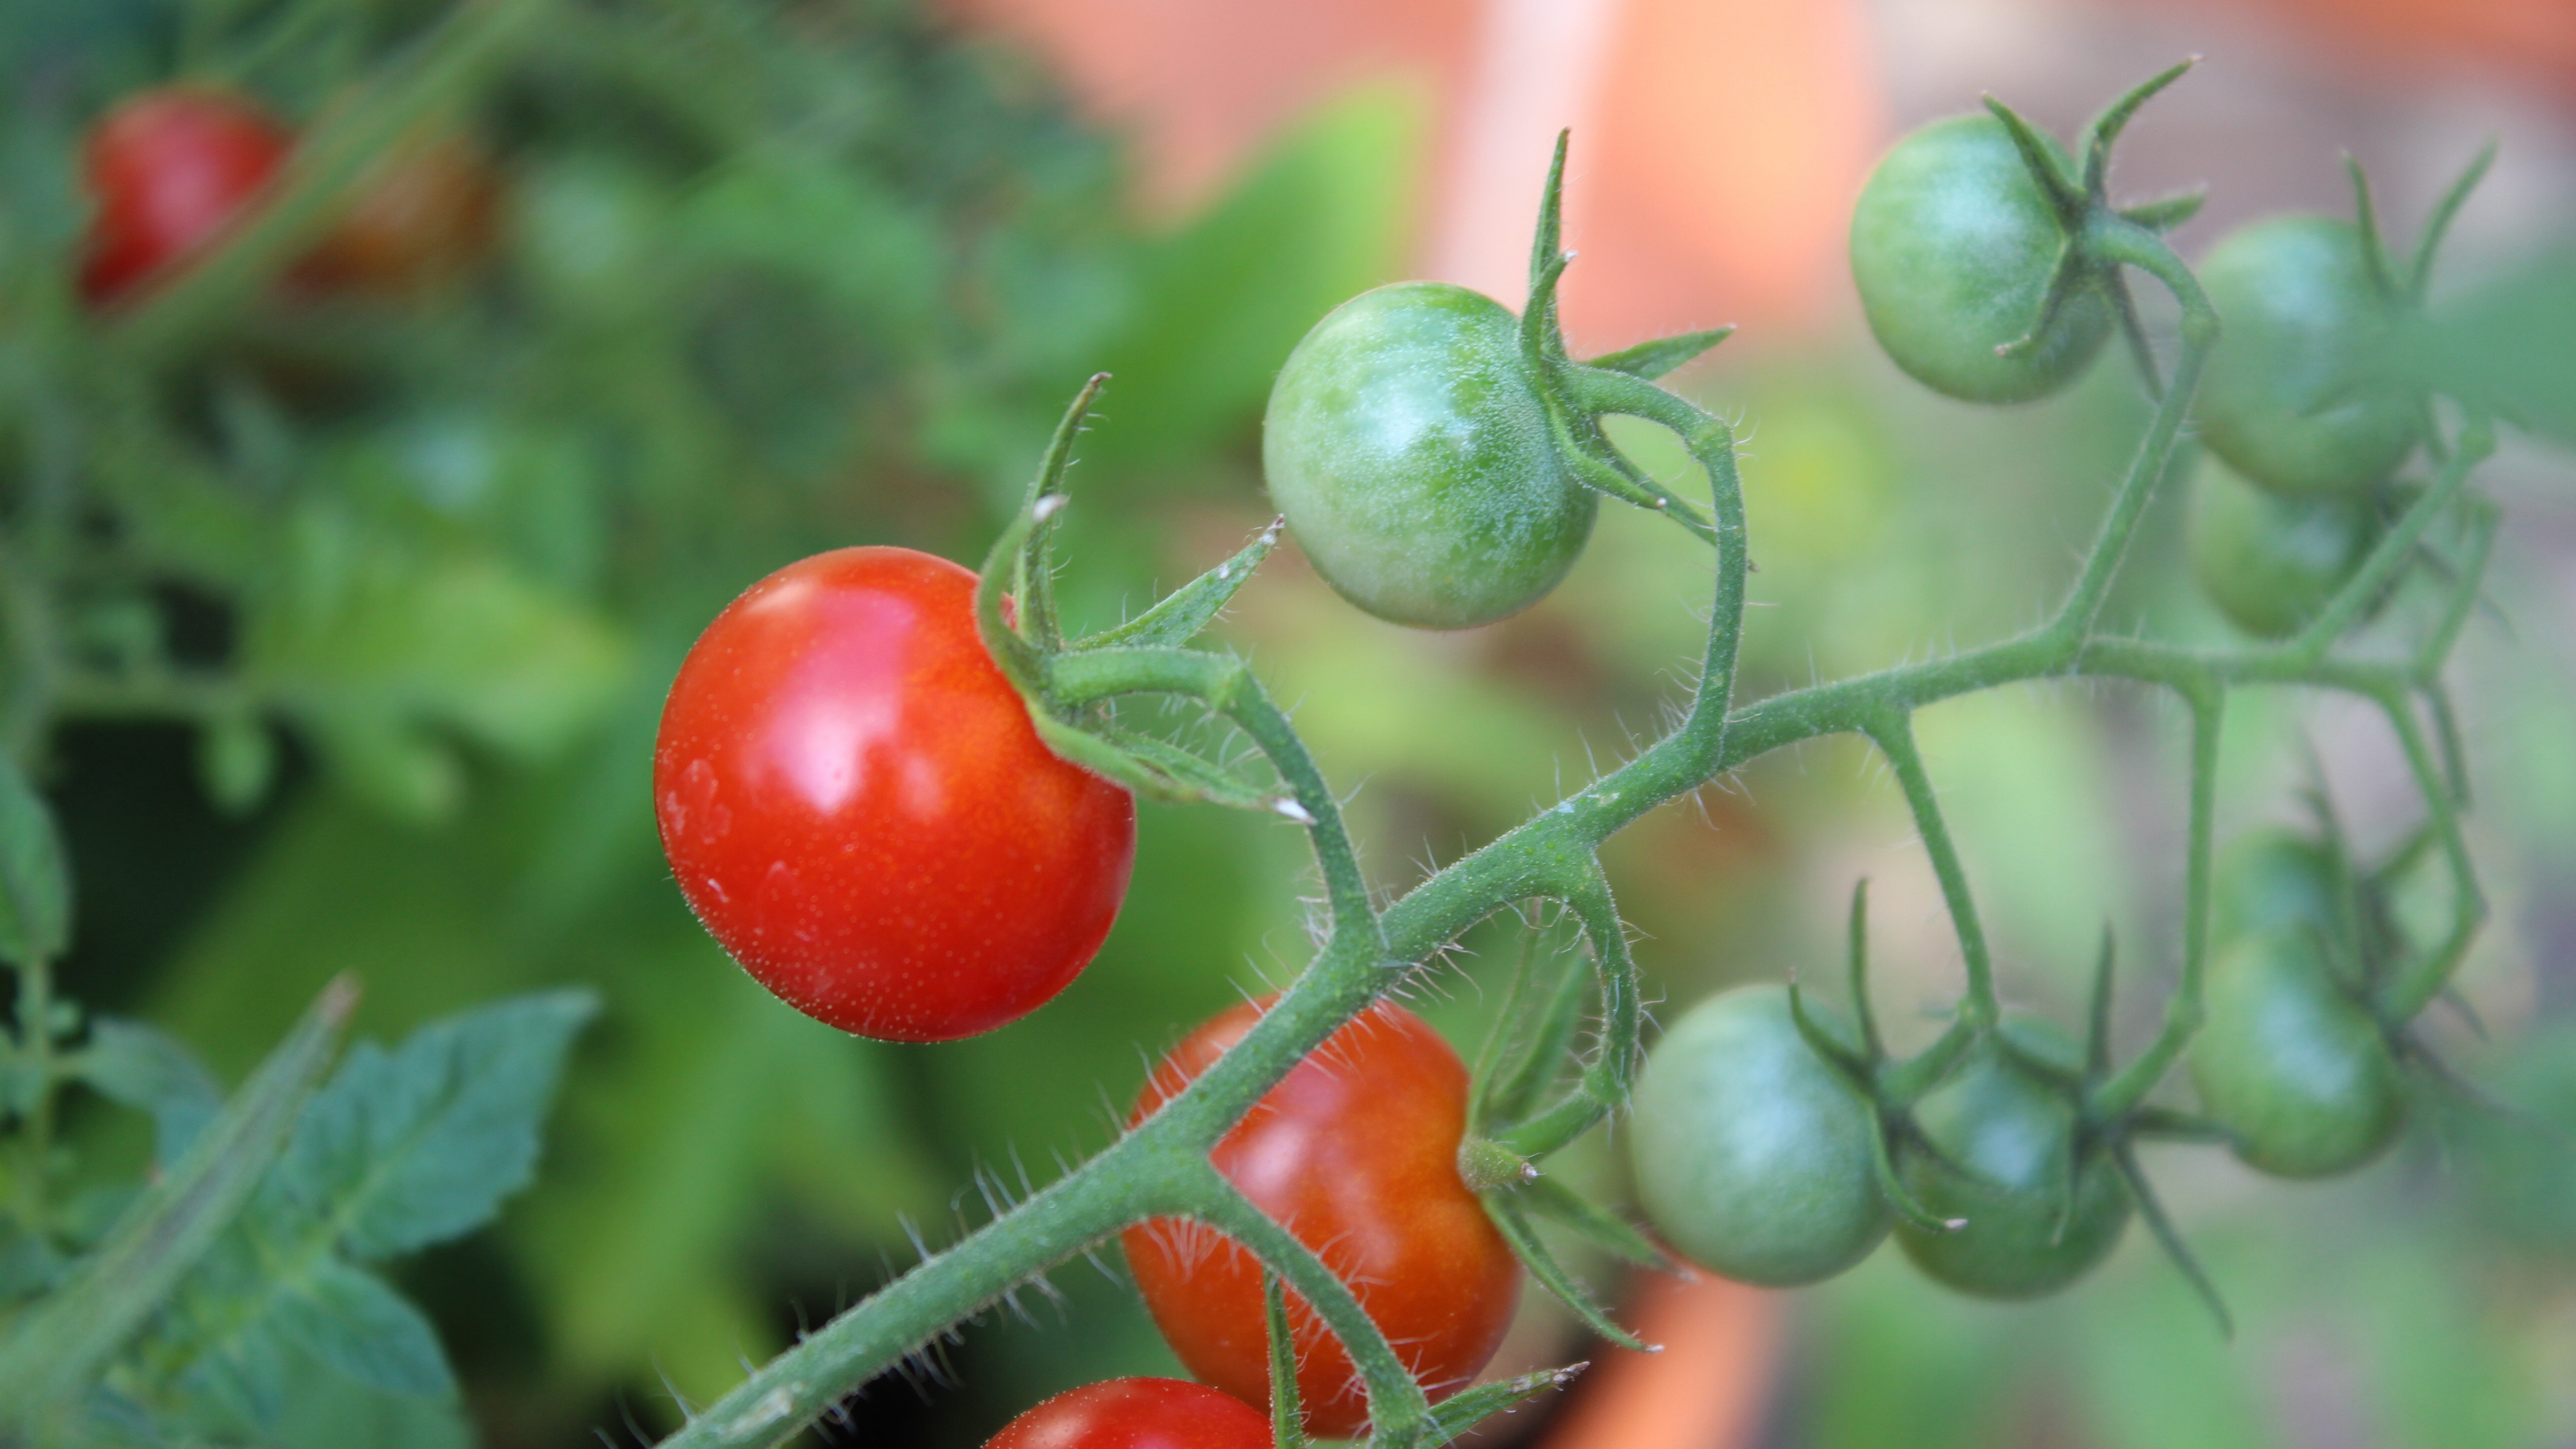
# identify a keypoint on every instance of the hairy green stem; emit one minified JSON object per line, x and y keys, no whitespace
{"x":2183,"y":1010}
{"x":1892,"y":730}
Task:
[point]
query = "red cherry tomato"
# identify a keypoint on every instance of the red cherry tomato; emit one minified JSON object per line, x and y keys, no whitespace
{"x":1137,"y":1414}
{"x":168,"y":170}
{"x":856,"y":805}
{"x":1356,"y":1152}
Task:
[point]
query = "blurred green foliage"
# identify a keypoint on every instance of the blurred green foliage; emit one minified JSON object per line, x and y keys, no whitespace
{"x":337,"y":631}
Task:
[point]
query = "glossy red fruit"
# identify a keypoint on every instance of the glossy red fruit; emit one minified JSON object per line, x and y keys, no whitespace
{"x":169,"y":170}
{"x":856,"y":805}
{"x":1356,"y":1152}
{"x":1137,"y":1414}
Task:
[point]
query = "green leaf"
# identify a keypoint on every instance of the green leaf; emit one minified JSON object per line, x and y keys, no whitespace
{"x":35,"y":884}
{"x":1651,"y":360}
{"x":869,"y":251}
{"x":347,"y":1318}
{"x":375,"y":642}
{"x":420,"y":1144}
{"x":1180,"y":615}
{"x":151,"y":1071}
{"x":50,"y":1355}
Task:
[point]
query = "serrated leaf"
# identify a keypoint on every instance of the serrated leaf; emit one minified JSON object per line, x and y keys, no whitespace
{"x":1655,"y":358}
{"x":35,"y":884}
{"x":1180,"y":615}
{"x":151,"y":1071}
{"x":246,"y":1382}
{"x":420,"y":1144}
{"x":52,"y":1353}
{"x":348,"y":1318}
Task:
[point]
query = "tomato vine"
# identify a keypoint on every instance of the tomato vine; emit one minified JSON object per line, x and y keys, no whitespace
{"x":1161,"y":1168}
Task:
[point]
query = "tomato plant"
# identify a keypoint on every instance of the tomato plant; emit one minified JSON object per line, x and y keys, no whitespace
{"x":1412,"y":455}
{"x":168,"y":170}
{"x":854,"y":801}
{"x":2272,"y":563}
{"x":1753,"y":1154}
{"x":1137,"y":1414}
{"x":2306,"y":301}
{"x":1955,"y":247}
{"x":1355,"y":1151}
{"x":2292,"y":1062}
{"x":2037,"y":1206}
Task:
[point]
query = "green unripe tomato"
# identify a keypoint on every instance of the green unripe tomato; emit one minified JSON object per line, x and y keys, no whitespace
{"x":2272,"y":879}
{"x":2272,"y":562}
{"x":2003,"y":1133}
{"x":2299,"y":312}
{"x":2298,"y":1071}
{"x":1952,"y":247}
{"x":1414,"y":462}
{"x":1753,"y":1155}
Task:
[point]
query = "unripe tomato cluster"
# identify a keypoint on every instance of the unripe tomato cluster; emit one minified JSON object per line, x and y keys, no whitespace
{"x":863,"y":806}
{"x":172,"y":171}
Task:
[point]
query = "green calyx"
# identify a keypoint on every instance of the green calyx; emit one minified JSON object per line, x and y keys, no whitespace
{"x":1989,"y":259}
{"x":2300,"y":399}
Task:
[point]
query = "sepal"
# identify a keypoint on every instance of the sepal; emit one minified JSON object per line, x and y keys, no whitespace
{"x":1185,"y":611}
{"x":1653,"y":359}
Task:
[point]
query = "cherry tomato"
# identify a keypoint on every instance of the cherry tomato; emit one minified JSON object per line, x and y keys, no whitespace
{"x":1137,"y":1414}
{"x":1952,"y":247}
{"x":1753,"y":1155}
{"x":2296,"y":1069}
{"x":2002,"y":1134}
{"x":855,"y":803}
{"x":417,"y":218}
{"x":1356,"y":1152}
{"x":2284,"y":399}
{"x":169,"y":169}
{"x":1415,"y":463}
{"x":2272,"y":563}
{"x":2274,"y":879}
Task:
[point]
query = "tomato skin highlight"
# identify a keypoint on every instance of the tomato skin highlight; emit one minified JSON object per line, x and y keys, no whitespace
{"x":2272,"y":563}
{"x":855,"y":804}
{"x":1752,"y":1154}
{"x":2293,"y":1066}
{"x":1952,"y":247}
{"x":1415,"y":462}
{"x":1137,"y":1414}
{"x":1356,"y":1152}
{"x":2298,"y":311}
{"x":2003,"y":1133}
{"x":170,"y":170}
